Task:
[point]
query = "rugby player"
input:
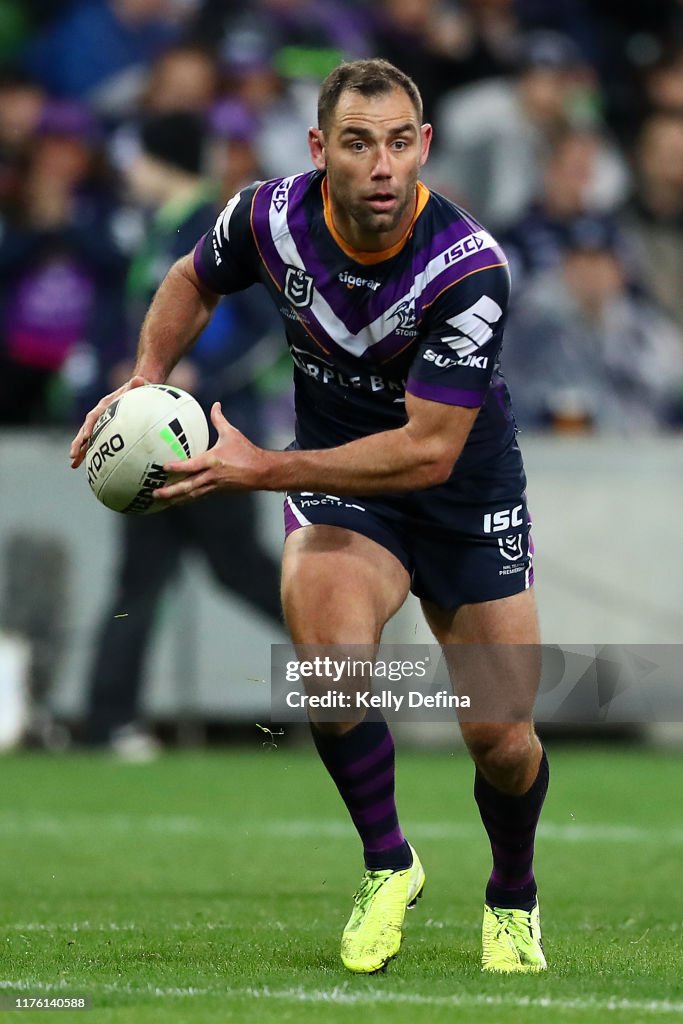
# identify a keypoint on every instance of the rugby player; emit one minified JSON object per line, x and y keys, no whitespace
{"x":393,"y":301}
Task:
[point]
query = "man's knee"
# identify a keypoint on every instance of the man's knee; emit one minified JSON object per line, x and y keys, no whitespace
{"x":506,"y":753}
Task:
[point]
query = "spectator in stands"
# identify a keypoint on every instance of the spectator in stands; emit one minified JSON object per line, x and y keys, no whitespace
{"x":663,"y":82}
{"x":279,"y":109}
{"x":98,"y":50}
{"x":21,"y":107}
{"x":496,"y":135}
{"x":166,"y":178}
{"x":234,"y":152}
{"x":653,"y":219}
{"x":538,"y":241}
{"x":307,"y":37}
{"x":185,"y":77}
{"x":583,"y":350}
{"x":61,"y":274}
{"x":443,"y":47}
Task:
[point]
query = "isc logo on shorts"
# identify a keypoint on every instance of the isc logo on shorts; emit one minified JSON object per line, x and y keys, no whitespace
{"x":503,"y":520}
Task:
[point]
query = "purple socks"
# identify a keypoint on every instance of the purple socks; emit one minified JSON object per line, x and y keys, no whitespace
{"x":361,"y":764}
{"x":510,"y":822}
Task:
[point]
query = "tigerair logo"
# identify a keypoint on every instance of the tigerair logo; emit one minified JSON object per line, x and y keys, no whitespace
{"x":176,"y":438}
{"x":351,"y":281}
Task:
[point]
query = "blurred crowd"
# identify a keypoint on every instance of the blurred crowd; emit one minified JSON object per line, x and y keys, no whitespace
{"x":126,"y":124}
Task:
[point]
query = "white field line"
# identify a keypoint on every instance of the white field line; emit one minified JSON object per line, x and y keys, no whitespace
{"x":52,"y":927}
{"x":64,"y":826}
{"x":346,"y":995}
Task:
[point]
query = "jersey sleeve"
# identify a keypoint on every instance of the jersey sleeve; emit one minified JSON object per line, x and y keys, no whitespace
{"x":460,"y":340}
{"x":226,"y":258}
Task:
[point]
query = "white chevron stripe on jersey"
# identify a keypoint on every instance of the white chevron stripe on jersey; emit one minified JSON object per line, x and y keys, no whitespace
{"x":386,"y":323}
{"x":223,"y":222}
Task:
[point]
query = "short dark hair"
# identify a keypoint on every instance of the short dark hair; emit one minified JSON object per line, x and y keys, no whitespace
{"x":374,"y":77}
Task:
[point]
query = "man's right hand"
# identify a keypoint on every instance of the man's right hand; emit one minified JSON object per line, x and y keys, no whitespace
{"x":79,"y":445}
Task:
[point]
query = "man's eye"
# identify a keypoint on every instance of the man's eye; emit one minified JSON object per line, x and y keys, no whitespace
{"x":400,"y":144}
{"x":358,"y":147}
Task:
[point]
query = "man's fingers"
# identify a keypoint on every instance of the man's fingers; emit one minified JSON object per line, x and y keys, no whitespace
{"x":186,"y":489}
{"x":79,"y":445}
{"x":218,"y":419}
{"x":187,"y":466}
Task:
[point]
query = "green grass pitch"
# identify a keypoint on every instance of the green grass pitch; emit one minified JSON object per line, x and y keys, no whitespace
{"x":213,"y":887}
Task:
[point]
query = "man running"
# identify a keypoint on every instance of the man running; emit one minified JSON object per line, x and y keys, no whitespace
{"x":393,"y":301}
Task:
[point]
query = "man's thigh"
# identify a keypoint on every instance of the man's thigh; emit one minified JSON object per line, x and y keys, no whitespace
{"x":339,"y":586}
{"x":507,"y":620}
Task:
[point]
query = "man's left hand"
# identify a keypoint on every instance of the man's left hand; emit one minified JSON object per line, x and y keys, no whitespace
{"x":233,"y":464}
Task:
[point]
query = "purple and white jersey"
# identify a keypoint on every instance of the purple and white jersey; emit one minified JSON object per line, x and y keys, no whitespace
{"x":424,"y":317}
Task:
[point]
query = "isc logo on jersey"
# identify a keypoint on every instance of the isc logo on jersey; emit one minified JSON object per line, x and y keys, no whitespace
{"x":468,"y":246}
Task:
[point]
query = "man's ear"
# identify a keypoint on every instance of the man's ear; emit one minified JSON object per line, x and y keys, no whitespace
{"x":316,"y":147}
{"x":425,"y":142}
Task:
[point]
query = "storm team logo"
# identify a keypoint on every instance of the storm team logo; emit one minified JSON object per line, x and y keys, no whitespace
{"x":405,"y":314}
{"x":298,"y":287}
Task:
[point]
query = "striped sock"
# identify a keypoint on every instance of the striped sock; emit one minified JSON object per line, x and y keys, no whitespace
{"x":510,"y":822}
{"x":361,"y":764}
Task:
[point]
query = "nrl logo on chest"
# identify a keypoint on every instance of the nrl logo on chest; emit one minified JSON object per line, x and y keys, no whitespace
{"x":298,"y":288}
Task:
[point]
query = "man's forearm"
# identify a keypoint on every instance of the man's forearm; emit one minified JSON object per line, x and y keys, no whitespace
{"x":419,"y":454}
{"x":393,"y":460}
{"x":179,"y":312}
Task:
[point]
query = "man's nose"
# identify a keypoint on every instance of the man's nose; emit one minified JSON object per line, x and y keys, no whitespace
{"x":382,"y":168}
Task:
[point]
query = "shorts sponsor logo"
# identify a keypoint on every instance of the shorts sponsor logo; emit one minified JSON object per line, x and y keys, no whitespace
{"x":474,"y":327}
{"x":358,"y":282}
{"x":504,"y":519}
{"x":309,"y":499}
{"x":298,"y":287}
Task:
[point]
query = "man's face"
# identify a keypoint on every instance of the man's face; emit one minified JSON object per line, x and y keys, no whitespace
{"x":372,"y":152}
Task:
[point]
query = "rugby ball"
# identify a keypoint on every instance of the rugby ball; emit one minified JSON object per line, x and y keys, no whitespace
{"x":133,"y":438}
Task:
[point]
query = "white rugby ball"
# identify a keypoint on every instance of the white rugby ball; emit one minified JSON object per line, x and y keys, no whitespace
{"x":133,"y":438}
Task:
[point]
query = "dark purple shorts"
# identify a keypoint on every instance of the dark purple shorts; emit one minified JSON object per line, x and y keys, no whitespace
{"x":483,"y":554}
